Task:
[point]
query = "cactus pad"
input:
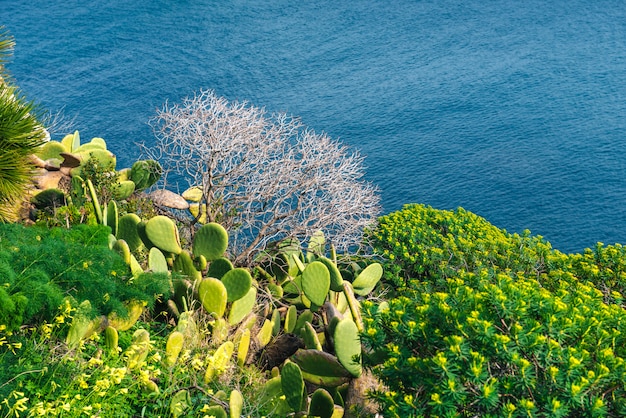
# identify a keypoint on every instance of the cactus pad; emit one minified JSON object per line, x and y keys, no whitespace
{"x":335,"y":276}
{"x":184,"y":264}
{"x":156,"y":261}
{"x":212,"y":294}
{"x":219,"y":267}
{"x":322,"y":404}
{"x":173,"y":347}
{"x":316,"y":282}
{"x":348,"y":346}
{"x":127,"y":230}
{"x":243,"y":347}
{"x":237,"y":282}
{"x":235,"y":401}
{"x":162,"y":232}
{"x":367,"y":279}
{"x":291,"y":318}
{"x":211,"y":240}
{"x":242,"y":307}
{"x":292,"y":385}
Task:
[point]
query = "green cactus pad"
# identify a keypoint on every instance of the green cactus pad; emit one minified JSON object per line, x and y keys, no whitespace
{"x":264,"y":335}
{"x":96,"y":204}
{"x":181,"y":401}
{"x":218,"y":362}
{"x":193,"y":194}
{"x":112,"y":217}
{"x":51,"y":149}
{"x":311,"y":341}
{"x":215,"y":411}
{"x":275,"y":290}
{"x":367,"y":279}
{"x":104,"y":159}
{"x":237,"y":282}
{"x":243,"y":347}
{"x":212,"y":294}
{"x":134,"y":308}
{"x":80,"y":326}
{"x":141,"y":231}
{"x":335,"y":275}
{"x":138,"y":351}
{"x":235,"y":402}
{"x":162,"y":232}
{"x":194,"y":209}
{"x":316,"y":282}
{"x":123,"y":174}
{"x":320,"y":363}
{"x":135,"y":267}
{"x":273,"y":400}
{"x":242,"y":307}
{"x":173,"y":347}
{"x":201,"y":263}
{"x":127,"y":230}
{"x":184,"y":265}
{"x":111,"y":339}
{"x":292,"y":385}
{"x":275,"y":322}
{"x":305,"y":316}
{"x":348,"y":346}
{"x":316,"y":245}
{"x":211,"y":240}
{"x":71,"y":141}
{"x":322,"y":404}
{"x":121,"y":247}
{"x":291,"y":319}
{"x":219,"y":267}
{"x":100,"y":142}
{"x":145,"y":173}
{"x":123,"y":189}
{"x":156,"y":261}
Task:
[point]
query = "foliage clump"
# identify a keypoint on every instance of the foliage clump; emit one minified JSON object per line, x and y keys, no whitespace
{"x":42,"y":266}
{"x":486,"y":323}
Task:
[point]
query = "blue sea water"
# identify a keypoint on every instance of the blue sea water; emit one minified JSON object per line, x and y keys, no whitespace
{"x":514,"y":110}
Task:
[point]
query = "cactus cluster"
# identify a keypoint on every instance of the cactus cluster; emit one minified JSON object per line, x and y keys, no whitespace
{"x":74,"y":161}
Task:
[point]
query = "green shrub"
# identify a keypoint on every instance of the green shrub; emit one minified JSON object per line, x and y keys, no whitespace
{"x":487,"y":323}
{"x":40,"y":267}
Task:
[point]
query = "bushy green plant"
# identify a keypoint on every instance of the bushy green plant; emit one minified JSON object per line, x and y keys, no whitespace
{"x":492,"y":324}
{"x":43,"y":266}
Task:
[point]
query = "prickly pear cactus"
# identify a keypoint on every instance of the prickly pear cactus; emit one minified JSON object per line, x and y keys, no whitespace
{"x":211,"y":240}
{"x":127,"y":230}
{"x":156,"y":261}
{"x":321,"y":368}
{"x":367,"y":279}
{"x":322,"y":404}
{"x":348,"y":346}
{"x":292,"y":385}
{"x":213,"y":296}
{"x":219,"y":267}
{"x":145,"y":173}
{"x":111,"y":339}
{"x":173,"y":347}
{"x":163,"y":233}
{"x":316,"y":282}
{"x":235,"y":402}
{"x":242,"y":307}
{"x":237,"y":283}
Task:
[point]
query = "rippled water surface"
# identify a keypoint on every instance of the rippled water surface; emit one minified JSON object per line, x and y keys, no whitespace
{"x":513,"y":110}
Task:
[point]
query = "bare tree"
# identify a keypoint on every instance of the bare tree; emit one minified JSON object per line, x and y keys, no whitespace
{"x":264,"y":177}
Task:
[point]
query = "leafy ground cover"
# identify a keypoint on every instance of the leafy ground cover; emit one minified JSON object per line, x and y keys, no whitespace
{"x":486,"y":323}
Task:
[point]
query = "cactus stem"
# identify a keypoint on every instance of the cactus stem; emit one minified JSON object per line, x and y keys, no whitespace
{"x":352,"y":303}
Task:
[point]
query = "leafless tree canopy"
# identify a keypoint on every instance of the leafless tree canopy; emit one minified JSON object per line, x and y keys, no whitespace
{"x":264,"y":177}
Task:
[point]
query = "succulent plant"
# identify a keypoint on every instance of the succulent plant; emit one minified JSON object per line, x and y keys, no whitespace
{"x":163,"y":233}
{"x":237,"y":283}
{"x":292,"y":385}
{"x":213,"y":296}
{"x":242,"y":307}
{"x":211,"y":240}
